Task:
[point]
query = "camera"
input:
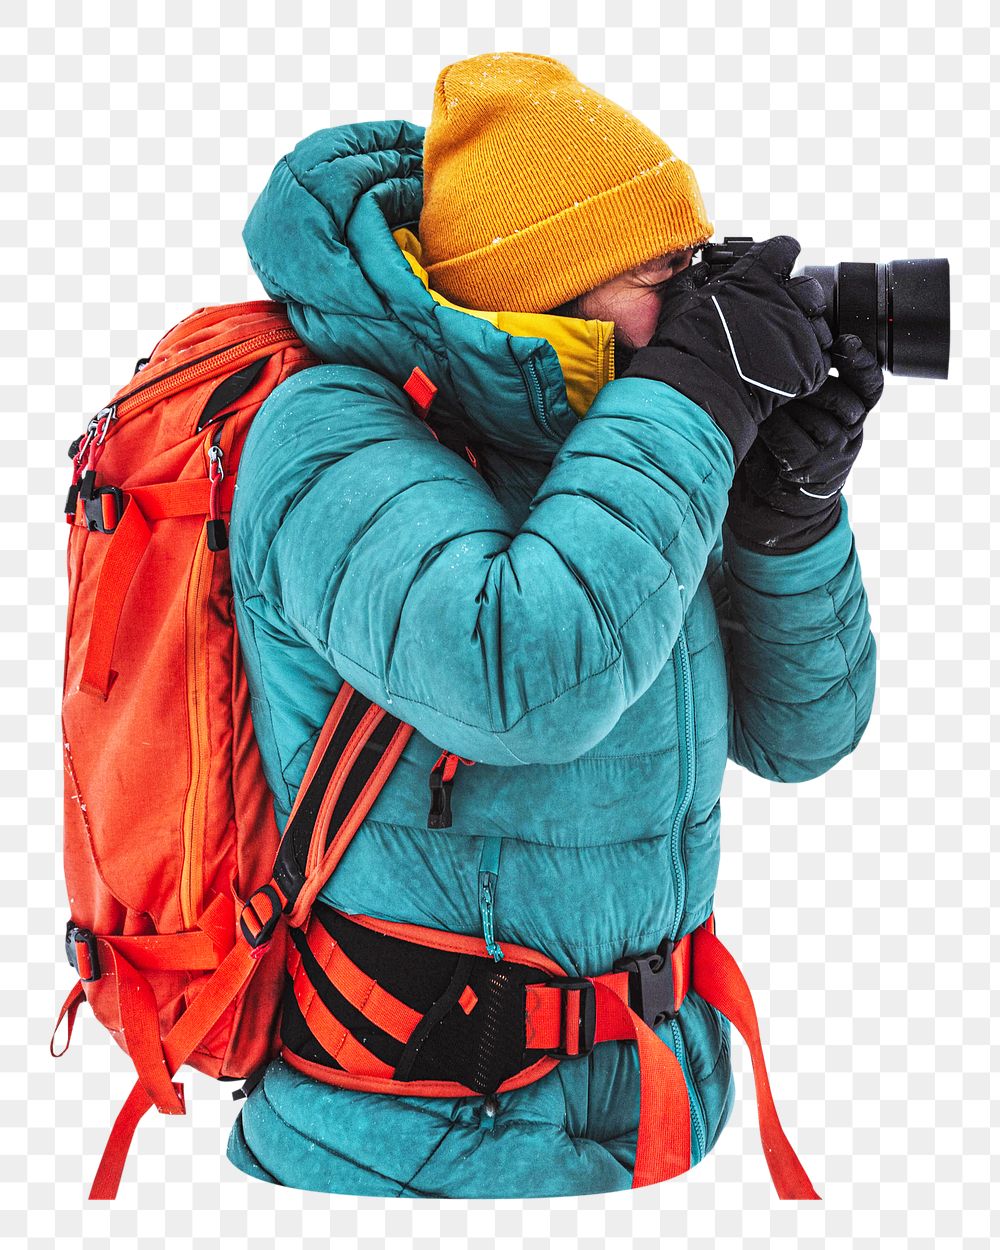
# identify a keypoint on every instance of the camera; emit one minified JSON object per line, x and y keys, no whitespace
{"x":900,"y":310}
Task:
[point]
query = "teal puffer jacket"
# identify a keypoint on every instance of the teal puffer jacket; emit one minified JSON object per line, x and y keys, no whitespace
{"x":573,"y":616}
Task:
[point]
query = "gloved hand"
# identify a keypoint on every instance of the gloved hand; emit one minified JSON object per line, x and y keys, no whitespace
{"x":741,"y":343}
{"x":786,"y":493}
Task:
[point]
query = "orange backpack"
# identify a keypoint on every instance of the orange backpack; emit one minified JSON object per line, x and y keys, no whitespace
{"x":170,"y":838}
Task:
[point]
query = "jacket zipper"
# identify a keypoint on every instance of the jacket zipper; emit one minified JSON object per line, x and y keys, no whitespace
{"x":686,"y":756}
{"x":489,"y":875}
{"x":196,"y":814}
{"x":528,"y":368}
{"x":685,"y":719}
{"x":698,"y":1118}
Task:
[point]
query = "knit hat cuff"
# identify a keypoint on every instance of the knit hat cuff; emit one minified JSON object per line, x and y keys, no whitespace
{"x":662,"y":207}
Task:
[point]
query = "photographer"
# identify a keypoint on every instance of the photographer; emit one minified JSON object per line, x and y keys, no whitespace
{"x":605,"y":550}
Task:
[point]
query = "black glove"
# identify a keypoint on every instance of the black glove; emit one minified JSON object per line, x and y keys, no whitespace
{"x":786,"y":493}
{"x":741,"y":343}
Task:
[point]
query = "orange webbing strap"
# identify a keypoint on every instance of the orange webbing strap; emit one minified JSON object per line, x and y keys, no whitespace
{"x":215,"y":996}
{"x":126,"y":546}
{"x":663,"y":1148}
{"x":74,"y":1001}
{"x":178,"y":952}
{"x":138,"y":1011}
{"x":717,"y":978}
{"x":335,"y":1038}
{"x":192,"y":951}
{"x":700,"y":962}
{"x":140,"y":1021}
{"x":362,"y":991}
{"x":548,"y":1007}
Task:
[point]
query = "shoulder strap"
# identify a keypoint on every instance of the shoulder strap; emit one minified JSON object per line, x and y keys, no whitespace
{"x":356,"y":751}
{"x":358,"y":747}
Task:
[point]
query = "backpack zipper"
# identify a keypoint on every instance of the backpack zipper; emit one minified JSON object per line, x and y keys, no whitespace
{"x":174,"y":380}
{"x":215,"y":527}
{"x":182,"y":376}
{"x":196,"y":815}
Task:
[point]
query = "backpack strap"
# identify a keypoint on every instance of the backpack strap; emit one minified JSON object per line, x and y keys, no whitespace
{"x":357,"y":748}
{"x":130,"y":532}
{"x":716,"y":976}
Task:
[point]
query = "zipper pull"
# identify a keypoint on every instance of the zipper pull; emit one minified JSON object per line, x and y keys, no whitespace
{"x":441,"y":780}
{"x":94,"y":444}
{"x":217,"y":538}
{"x":78,"y":449}
{"x":489,"y":878}
{"x":487,"y":896}
{"x":421,"y":390}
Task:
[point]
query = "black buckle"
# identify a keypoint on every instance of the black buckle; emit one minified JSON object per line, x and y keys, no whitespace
{"x":585,"y":1023}
{"x":93,"y":509}
{"x":267,"y":927}
{"x":651,"y":983}
{"x":75,"y":936}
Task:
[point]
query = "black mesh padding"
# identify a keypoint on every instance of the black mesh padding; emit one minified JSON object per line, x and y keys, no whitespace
{"x":485,"y":1047}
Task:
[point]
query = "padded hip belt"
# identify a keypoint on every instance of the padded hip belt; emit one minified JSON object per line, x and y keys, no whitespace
{"x":433,"y":1013}
{"x":397,"y":1008}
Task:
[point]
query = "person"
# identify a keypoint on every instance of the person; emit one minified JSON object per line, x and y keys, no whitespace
{"x":612,"y":553}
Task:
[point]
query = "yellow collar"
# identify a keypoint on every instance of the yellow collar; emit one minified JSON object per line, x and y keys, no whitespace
{"x":585,"y":348}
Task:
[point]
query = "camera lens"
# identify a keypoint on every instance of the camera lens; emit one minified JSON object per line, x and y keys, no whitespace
{"x":900,"y":311}
{"x":918,"y":317}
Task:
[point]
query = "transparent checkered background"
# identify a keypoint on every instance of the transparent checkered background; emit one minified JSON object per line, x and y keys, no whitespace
{"x":860,"y":902}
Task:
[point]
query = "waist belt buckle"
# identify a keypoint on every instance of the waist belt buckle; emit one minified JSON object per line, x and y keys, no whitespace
{"x":584,"y":1025}
{"x":651,"y":983}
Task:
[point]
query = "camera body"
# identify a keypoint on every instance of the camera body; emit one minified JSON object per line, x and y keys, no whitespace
{"x":900,"y":310}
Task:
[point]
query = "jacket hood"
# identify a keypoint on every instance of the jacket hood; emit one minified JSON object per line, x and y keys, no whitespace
{"x":334,"y":235}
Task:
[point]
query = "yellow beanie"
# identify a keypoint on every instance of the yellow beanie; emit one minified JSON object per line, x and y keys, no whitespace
{"x":537,"y":188}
